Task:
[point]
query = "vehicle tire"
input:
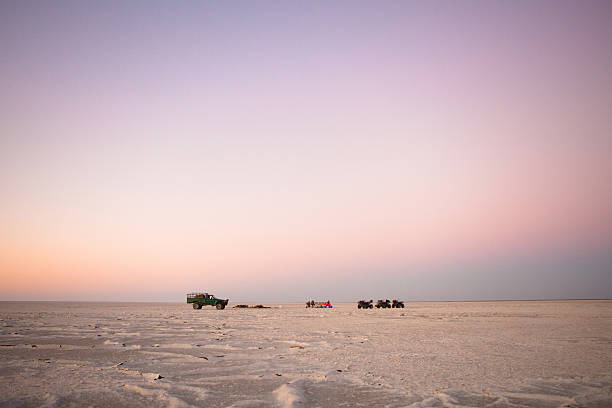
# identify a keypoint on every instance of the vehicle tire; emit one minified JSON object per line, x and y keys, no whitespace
{"x":358,"y":306}
{"x":220,"y":306}
{"x":197,"y":306}
{"x":371,"y":307}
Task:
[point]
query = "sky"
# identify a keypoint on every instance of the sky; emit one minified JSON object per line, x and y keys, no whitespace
{"x":283,"y":151}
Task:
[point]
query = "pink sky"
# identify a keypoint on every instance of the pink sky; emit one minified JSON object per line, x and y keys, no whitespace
{"x":277,"y":151}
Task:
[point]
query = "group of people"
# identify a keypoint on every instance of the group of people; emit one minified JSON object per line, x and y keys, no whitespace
{"x":311,"y":303}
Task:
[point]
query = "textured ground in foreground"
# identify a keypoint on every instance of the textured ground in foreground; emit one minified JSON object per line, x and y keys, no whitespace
{"x":498,"y":354}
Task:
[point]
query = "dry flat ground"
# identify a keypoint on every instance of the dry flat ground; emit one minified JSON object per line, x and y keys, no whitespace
{"x":498,"y":354}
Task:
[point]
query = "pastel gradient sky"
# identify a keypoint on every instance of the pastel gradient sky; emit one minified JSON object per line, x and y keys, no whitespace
{"x":279,"y":151}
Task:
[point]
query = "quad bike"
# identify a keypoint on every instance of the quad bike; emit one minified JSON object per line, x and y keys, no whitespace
{"x":385,"y":304}
{"x":365,"y":304}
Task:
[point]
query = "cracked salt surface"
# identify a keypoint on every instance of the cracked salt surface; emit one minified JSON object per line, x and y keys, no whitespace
{"x":498,"y":354}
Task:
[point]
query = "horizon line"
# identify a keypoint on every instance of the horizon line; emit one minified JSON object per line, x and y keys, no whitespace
{"x":299,"y":302}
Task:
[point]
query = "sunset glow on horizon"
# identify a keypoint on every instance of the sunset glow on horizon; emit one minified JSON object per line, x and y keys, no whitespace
{"x":281,"y":151}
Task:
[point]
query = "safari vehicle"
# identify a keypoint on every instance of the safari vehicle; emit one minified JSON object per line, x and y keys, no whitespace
{"x":204,"y":299}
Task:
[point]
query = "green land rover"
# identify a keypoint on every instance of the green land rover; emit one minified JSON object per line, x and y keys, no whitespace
{"x":203,"y":299}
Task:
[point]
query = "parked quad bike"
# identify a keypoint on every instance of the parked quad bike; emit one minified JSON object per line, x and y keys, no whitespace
{"x":397,"y":304}
{"x":365,"y":304}
{"x":385,"y":304}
